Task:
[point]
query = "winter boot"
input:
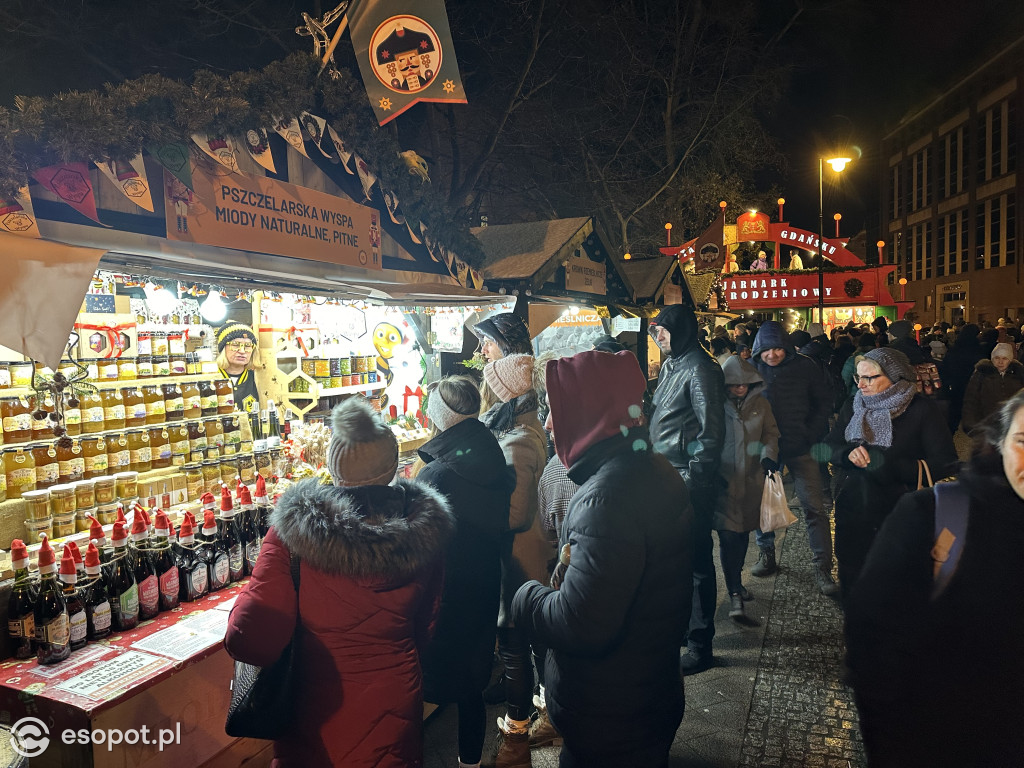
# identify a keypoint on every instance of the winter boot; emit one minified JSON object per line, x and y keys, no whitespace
{"x":765,"y":565}
{"x":512,"y":748}
{"x":691,"y":663}
{"x":542,"y":732}
{"x":736,"y":611}
{"x":823,"y":578}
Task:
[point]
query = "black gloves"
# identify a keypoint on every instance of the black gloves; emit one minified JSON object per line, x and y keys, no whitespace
{"x":769,"y":465}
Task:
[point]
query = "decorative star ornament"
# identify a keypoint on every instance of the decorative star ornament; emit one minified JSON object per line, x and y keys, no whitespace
{"x":385,"y":103}
{"x":449,"y":86}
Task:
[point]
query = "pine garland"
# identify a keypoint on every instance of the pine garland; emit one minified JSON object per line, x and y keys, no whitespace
{"x":120,"y":121}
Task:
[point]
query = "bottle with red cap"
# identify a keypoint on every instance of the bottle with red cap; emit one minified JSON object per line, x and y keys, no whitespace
{"x":73,"y":600}
{"x":231,"y":536}
{"x":193,"y":574}
{"x":143,"y":570}
{"x":99,"y":538}
{"x":164,"y":563}
{"x":263,"y":507}
{"x":72,"y":547}
{"x":21,"y":605}
{"x":212,"y":551}
{"x":250,"y":530}
{"x":95,"y":596}
{"x":121,"y":586}
{"x":53,"y":635}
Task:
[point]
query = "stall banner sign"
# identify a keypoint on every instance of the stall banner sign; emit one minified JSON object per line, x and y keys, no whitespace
{"x":761,"y":291}
{"x":405,"y":57}
{"x":267,"y":216}
{"x":582,"y":274}
{"x":585,"y":318}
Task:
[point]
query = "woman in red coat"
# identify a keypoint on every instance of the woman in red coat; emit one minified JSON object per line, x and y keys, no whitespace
{"x":371,"y":574}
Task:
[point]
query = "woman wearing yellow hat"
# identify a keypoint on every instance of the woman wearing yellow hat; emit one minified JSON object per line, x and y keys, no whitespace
{"x":236,"y":347}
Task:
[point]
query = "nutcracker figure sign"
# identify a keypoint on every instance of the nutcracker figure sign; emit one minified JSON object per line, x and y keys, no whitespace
{"x":405,"y":57}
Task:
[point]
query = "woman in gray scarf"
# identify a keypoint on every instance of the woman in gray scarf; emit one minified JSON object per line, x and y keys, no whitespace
{"x":881,"y":434}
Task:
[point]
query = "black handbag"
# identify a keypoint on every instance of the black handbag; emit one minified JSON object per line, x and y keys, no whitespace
{"x":262,"y":697}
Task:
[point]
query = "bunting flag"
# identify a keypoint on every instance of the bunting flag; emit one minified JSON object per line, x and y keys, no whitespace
{"x":405,"y":58}
{"x":366,"y":178}
{"x":129,"y":176}
{"x":71,"y":184}
{"x":220,"y":148}
{"x":289,"y":130}
{"x":412,"y":234}
{"x":709,"y":250}
{"x":391,"y":203}
{"x":259,"y":148}
{"x":461,"y":271}
{"x":315,"y":127}
{"x":175,"y":158}
{"x":478,"y":279}
{"x":17,"y":216}
{"x":339,"y":146}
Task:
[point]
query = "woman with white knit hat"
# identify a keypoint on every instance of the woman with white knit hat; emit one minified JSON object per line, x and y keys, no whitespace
{"x":371,"y":565}
{"x":993,"y":382}
{"x":521,"y":436}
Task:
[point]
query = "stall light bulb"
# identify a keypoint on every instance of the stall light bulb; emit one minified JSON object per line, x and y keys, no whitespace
{"x":213,"y":308}
{"x":160,"y":300}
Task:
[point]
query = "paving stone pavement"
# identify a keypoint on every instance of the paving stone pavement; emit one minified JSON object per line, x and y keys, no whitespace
{"x":773,"y":697}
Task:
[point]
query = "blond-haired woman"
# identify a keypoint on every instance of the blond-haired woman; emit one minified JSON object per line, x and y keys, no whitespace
{"x":236,"y":349}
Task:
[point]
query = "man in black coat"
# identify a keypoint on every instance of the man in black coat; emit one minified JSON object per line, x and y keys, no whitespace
{"x":801,"y":399}
{"x":688,"y":429}
{"x":615,"y":624}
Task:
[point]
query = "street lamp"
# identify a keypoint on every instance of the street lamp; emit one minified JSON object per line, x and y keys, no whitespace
{"x":838,"y":165}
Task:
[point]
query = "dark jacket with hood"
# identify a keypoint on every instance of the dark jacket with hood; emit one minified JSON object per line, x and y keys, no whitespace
{"x":688,"y":423}
{"x":903,"y":342}
{"x":466,"y":464}
{"x":958,"y":365}
{"x":799,"y":390}
{"x":750,"y":436}
{"x":615,"y":626}
{"x":987,"y":389}
{"x":371,"y":575}
{"x":918,"y":706}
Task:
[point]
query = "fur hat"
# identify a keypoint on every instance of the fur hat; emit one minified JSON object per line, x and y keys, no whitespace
{"x":894,"y":364}
{"x":1003,"y":349}
{"x":510,"y":376}
{"x":235,"y":331}
{"x":508,"y":331}
{"x":362,"y":450}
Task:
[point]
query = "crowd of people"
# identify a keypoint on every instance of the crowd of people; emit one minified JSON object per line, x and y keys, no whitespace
{"x":561,"y":520}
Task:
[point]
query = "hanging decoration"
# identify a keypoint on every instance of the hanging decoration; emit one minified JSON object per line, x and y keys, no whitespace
{"x":17,"y":216}
{"x":129,"y":176}
{"x":70,"y":183}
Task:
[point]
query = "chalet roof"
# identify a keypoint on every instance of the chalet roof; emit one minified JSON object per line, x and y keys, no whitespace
{"x":647,"y":276}
{"x":514,"y":251}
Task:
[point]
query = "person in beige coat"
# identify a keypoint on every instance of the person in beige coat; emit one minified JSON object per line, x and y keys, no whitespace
{"x":515,"y":424}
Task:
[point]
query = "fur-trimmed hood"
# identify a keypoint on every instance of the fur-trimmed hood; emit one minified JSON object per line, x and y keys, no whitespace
{"x":368,"y":533}
{"x":988,"y":368}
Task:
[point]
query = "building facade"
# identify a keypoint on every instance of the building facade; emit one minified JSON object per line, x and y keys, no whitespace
{"x":950,"y":194}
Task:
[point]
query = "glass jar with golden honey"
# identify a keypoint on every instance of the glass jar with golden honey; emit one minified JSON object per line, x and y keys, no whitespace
{"x":193,"y":407}
{"x":119,"y":456}
{"x":20,"y":468}
{"x":155,"y":409}
{"x":208,"y":398}
{"x":17,"y":419}
{"x":225,"y":396}
{"x":214,"y":432}
{"x":160,"y":447}
{"x":113,"y":409}
{"x":174,"y":403}
{"x":138,"y":444}
{"x":70,"y":462}
{"x":196,"y":436}
{"x":179,"y":439}
{"x":127,"y":369}
{"x":134,"y":407}
{"x":94,"y":451}
{"x":92,"y":413}
{"x":144,"y":366}
{"x":72,"y":416}
{"x":211,"y":477}
{"x":194,"y":484}
{"x":47,"y":466}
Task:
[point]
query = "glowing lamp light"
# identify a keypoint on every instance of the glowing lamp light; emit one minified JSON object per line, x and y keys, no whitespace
{"x":213,"y":307}
{"x":159,"y":299}
{"x":668,"y":225}
{"x":627,"y":256}
{"x":782,"y":201}
{"x":839,"y":163}
{"x":753,"y":213}
{"x":903,"y":281}
{"x":574,"y":310}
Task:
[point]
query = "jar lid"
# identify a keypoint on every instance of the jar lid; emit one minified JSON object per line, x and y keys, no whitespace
{"x":131,"y":473}
{"x":192,"y":465}
{"x":62,"y":488}
{"x":90,"y":481}
{"x":104,"y":508}
{"x":43,"y":494}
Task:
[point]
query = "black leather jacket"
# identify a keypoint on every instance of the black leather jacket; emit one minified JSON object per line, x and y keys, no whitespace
{"x":688,"y":423}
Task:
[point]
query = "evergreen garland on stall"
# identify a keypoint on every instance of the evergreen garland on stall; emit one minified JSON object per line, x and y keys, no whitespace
{"x":119,"y":121}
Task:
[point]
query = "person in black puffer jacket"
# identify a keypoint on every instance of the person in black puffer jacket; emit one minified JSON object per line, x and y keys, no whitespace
{"x":917,"y":707}
{"x":615,"y":624}
{"x":994,"y":382}
{"x":800,"y":393}
{"x":688,"y":429}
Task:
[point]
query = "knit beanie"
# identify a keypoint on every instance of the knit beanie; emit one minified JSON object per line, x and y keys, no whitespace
{"x":1003,"y":350}
{"x":362,"y":450}
{"x":232,"y":332}
{"x":900,"y":329}
{"x":442,"y":415}
{"x":510,"y":376}
{"x":894,"y":364}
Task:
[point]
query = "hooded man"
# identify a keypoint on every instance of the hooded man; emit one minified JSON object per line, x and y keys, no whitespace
{"x":801,"y":399}
{"x":688,"y":429}
{"x":615,"y":624}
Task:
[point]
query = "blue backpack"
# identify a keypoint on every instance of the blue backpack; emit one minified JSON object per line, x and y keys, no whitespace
{"x":952,"y":512}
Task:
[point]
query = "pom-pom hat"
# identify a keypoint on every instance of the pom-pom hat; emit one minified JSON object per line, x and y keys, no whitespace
{"x":233,"y":332}
{"x":362,"y":451}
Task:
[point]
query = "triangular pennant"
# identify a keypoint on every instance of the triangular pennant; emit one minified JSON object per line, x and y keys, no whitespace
{"x":478,"y":279}
{"x":391,"y":203}
{"x":339,"y":146}
{"x":315,"y":127}
{"x":219,"y":147}
{"x":461,"y":271}
{"x":175,"y":158}
{"x":366,"y":177}
{"x":709,"y":251}
{"x":412,"y":233}
{"x":17,"y":216}
{"x":289,"y":130}
{"x":256,"y":143}
{"x":70,"y":182}
{"x":179,"y":197}
{"x":129,"y":176}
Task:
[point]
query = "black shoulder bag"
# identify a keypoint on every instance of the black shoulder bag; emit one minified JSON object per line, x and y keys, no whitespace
{"x":262,"y":698}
